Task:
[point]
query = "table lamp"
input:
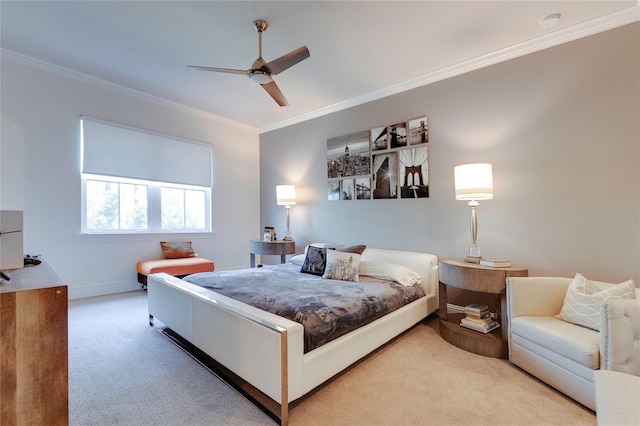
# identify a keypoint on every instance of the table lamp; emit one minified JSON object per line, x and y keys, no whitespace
{"x":286,"y":196}
{"x":473,"y":182}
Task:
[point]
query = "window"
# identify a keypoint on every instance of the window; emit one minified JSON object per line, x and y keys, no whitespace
{"x":137,"y":182}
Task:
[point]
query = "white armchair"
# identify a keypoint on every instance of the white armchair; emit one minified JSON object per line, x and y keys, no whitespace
{"x":562,"y":354}
{"x":617,"y":385}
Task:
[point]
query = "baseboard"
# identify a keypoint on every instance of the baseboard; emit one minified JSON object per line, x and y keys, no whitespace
{"x":102,"y":289}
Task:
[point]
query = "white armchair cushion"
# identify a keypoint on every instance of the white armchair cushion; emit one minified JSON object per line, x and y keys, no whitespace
{"x":583,"y":298}
{"x":577,"y":344}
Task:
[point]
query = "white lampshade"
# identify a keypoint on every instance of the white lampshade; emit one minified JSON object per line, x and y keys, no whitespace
{"x":286,"y":195}
{"x":473,"y":181}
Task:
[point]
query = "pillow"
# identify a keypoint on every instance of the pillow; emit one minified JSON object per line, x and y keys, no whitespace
{"x":314,"y":261}
{"x":358,"y":249}
{"x":582,"y":301}
{"x":321,"y":245}
{"x":298,"y":259}
{"x":342,"y":266}
{"x":390,"y":271}
{"x":339,"y":247}
{"x":176,"y":249}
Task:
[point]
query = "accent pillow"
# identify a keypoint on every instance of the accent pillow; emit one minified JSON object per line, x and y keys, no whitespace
{"x":358,"y":249}
{"x":298,"y":259}
{"x":582,"y":301}
{"x":342,"y":266}
{"x":314,"y":261}
{"x":176,"y":249}
{"x":390,"y":271}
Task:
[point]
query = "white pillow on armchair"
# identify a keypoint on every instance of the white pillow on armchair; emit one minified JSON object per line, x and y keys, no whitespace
{"x":582,"y":302}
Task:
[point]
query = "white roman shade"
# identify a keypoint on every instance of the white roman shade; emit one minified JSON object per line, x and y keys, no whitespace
{"x":113,"y":150}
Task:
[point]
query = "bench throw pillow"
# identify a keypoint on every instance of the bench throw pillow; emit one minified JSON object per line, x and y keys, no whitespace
{"x":582,"y":302}
{"x":176,"y":249}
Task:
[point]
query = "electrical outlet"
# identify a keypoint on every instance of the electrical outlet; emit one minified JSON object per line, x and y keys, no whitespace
{"x":85,"y":270}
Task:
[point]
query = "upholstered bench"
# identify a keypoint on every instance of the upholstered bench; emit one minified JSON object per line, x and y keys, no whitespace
{"x":176,"y":267}
{"x":178,"y":260}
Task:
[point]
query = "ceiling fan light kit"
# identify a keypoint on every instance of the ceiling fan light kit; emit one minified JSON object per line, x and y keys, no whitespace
{"x":262,"y":72}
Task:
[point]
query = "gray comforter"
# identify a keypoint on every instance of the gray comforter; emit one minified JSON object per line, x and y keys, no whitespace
{"x":327,"y":309}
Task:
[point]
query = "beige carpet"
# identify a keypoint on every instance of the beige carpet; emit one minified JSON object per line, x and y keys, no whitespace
{"x":138,"y":377}
{"x":419,"y":379}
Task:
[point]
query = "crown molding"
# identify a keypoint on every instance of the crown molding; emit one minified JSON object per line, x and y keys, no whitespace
{"x":107,"y":85}
{"x":594,"y":26}
{"x":565,"y":35}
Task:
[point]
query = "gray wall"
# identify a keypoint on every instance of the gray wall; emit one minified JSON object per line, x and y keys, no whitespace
{"x":560,"y":127}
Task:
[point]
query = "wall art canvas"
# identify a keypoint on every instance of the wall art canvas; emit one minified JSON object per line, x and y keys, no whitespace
{"x":347,"y":189}
{"x":418,"y":131}
{"x":385,"y":162}
{"x":379,"y":139}
{"x":363,"y":188}
{"x":398,"y":135}
{"x":385,"y":175}
{"x":414,"y":172}
{"x":333,"y":190}
{"x":348,"y":155}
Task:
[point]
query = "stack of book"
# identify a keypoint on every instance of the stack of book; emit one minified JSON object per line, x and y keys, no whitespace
{"x":496,"y":263}
{"x":478,"y":318}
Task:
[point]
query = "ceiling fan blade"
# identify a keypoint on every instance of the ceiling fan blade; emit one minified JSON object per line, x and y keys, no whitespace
{"x":225,"y":70}
{"x":274,"y":91}
{"x":286,"y":61}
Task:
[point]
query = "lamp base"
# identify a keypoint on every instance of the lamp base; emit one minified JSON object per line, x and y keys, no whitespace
{"x":287,"y":239}
{"x":473,"y":254}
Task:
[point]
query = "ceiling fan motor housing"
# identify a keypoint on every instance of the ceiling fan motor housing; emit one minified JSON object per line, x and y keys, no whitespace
{"x":261,"y":71}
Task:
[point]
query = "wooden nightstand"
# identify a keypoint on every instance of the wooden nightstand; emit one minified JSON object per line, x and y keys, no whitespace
{"x":281,"y":248}
{"x":483,"y":279}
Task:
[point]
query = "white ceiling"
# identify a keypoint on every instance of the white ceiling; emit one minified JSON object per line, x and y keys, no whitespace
{"x":360,"y":51}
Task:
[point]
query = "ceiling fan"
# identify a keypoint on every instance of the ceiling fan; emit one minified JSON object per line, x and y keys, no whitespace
{"x":262,"y":71}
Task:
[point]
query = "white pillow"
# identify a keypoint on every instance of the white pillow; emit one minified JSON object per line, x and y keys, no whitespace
{"x":390,"y":271}
{"x":342,"y":266}
{"x":582,"y":301}
{"x":298,"y":259}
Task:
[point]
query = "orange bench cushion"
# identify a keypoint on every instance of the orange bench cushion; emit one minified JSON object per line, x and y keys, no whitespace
{"x":183,"y":266}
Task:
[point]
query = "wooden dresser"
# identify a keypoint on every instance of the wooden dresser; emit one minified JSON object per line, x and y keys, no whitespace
{"x":34,"y":348}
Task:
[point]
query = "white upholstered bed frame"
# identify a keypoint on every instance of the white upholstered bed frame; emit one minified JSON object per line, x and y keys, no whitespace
{"x":266,"y":350}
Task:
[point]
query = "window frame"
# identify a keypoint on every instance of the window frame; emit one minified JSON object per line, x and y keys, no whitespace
{"x":154,"y":217}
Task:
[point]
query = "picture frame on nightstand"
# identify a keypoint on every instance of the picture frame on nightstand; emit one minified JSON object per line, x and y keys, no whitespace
{"x":269,"y":234}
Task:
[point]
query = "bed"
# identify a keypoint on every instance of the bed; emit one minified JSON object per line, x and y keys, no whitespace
{"x":271,"y":354}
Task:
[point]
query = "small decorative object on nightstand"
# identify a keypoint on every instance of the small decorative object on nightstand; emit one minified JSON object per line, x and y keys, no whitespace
{"x":279,"y":248}
{"x":483,"y":279}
